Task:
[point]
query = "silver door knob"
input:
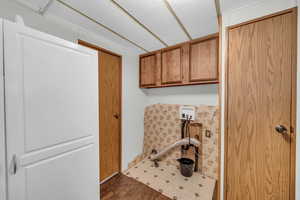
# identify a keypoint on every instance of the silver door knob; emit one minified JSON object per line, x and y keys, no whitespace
{"x":281,"y":129}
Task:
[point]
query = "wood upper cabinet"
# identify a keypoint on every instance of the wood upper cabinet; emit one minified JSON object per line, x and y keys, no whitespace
{"x":190,"y":63}
{"x":171,"y":66}
{"x":147,"y":70}
{"x":204,"y":60}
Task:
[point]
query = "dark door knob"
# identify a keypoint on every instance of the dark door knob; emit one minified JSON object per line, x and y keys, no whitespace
{"x":116,"y":115}
{"x":281,"y":129}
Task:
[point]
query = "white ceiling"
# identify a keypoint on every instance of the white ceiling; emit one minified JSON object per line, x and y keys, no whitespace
{"x":227,"y":5}
{"x":232,"y":4}
{"x":36,"y":5}
{"x":154,"y":15}
{"x":197,"y":16}
{"x":69,"y":15}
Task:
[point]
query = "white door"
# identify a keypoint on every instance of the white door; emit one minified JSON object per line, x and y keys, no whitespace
{"x":2,"y":138}
{"x":51,"y":96}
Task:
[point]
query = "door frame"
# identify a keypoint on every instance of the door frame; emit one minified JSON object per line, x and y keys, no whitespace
{"x":100,"y":49}
{"x":293,"y":97}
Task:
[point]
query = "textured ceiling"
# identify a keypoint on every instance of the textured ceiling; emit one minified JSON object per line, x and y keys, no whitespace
{"x":144,"y":24}
{"x":227,"y":5}
{"x":198,"y":16}
{"x":157,"y":18}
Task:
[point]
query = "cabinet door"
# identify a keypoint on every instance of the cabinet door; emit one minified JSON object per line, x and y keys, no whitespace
{"x":147,"y":70}
{"x":171,"y":66}
{"x":204,"y":60}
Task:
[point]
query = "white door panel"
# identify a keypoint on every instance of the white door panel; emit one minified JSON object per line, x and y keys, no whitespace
{"x":55,"y":92}
{"x":58,"y":176}
{"x":52,"y":117}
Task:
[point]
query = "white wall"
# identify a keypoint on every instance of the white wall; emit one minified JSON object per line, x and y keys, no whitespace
{"x":187,"y":95}
{"x":133,"y":97}
{"x":230,"y":17}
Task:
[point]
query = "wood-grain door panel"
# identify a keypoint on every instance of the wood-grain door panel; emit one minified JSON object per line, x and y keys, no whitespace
{"x":172,"y":66}
{"x":204,"y":60}
{"x":110,"y":114}
{"x":148,"y":70}
{"x":258,"y":159}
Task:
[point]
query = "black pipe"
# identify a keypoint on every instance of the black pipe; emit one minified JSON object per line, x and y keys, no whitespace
{"x":183,"y":122}
{"x":196,"y":159}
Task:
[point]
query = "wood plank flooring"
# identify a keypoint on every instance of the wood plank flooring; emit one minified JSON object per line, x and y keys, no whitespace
{"x":122,"y":187}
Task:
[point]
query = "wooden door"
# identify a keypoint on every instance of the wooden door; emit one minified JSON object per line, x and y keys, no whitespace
{"x":172,"y":66}
{"x":148,"y":70}
{"x":204,"y":60}
{"x":259,"y":96}
{"x":51,"y":112}
{"x":110,"y":114}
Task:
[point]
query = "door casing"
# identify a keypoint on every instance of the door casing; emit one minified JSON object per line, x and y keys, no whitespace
{"x":100,"y":49}
{"x":294,"y":11}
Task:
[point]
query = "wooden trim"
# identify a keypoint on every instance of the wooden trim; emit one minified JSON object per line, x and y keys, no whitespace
{"x":294,"y":11}
{"x":208,"y":37}
{"x":110,"y":177}
{"x":262,"y":18}
{"x":225,"y":187}
{"x":100,"y":24}
{"x":200,"y":39}
{"x":293,"y":104}
{"x":139,"y":22}
{"x":158,"y":68}
{"x":121,"y":113}
{"x":148,"y":54}
{"x":169,"y":7}
{"x":92,"y":46}
{"x":182,"y":85}
{"x":100,"y":49}
{"x":218,"y":195}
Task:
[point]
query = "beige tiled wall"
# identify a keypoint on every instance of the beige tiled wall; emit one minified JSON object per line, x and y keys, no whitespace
{"x":163,"y":127}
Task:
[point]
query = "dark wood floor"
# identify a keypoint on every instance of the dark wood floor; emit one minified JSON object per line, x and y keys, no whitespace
{"x":122,"y":187}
